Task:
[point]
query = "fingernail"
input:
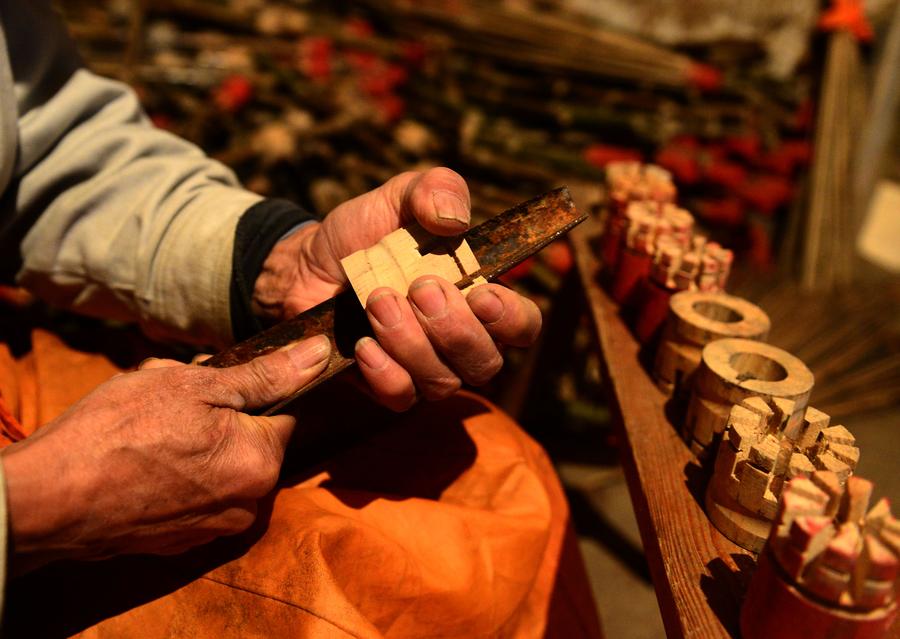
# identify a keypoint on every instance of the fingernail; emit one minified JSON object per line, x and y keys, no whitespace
{"x":450,"y":206}
{"x":429,"y":297}
{"x":486,"y":305}
{"x":385,"y":309}
{"x":310,"y":352}
{"x":369,"y":352}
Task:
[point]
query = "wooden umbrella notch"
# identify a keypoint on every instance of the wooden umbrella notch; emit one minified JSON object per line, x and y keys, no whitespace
{"x":829,"y":567}
{"x":760,"y":452}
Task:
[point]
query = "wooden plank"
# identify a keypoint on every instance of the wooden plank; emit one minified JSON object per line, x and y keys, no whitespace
{"x":699,"y":575}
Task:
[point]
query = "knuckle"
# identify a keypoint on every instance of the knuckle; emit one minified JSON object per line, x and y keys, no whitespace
{"x":400,"y":399}
{"x":264,"y":373}
{"x":488,"y":370}
{"x":193,"y":381}
{"x":403,"y":403}
{"x":211,"y":437}
{"x":440,"y":387}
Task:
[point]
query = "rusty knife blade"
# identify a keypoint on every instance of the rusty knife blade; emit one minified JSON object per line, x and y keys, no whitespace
{"x":499,"y":244}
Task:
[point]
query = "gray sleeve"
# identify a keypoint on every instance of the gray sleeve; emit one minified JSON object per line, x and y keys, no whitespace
{"x":124,"y":220}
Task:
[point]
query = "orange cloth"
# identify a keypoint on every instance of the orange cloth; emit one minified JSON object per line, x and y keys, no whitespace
{"x":447,"y":521}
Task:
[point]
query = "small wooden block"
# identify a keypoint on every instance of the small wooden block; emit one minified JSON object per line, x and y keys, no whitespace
{"x":807,"y":536}
{"x":396,"y":261}
{"x":800,"y":466}
{"x":827,"y":461}
{"x":809,"y":489}
{"x":814,"y":421}
{"x":848,"y":454}
{"x":838,"y":435}
{"x":782,"y":461}
{"x":768,"y":506}
{"x":844,"y":549}
{"x":811,"y":533}
{"x":758,"y":406}
{"x":743,"y":433}
{"x":883,"y":564}
{"x":783,"y":409}
{"x":877,"y":515}
{"x":890,"y":539}
{"x":764,"y":453}
{"x":754,"y":484}
{"x":892,"y":524}
{"x":830,"y":484}
{"x":855,"y":501}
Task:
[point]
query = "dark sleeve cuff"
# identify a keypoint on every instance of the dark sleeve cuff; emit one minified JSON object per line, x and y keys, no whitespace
{"x":258,"y":230}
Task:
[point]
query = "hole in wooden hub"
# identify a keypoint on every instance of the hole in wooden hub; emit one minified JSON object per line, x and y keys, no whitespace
{"x":717,"y":312}
{"x":756,"y":366}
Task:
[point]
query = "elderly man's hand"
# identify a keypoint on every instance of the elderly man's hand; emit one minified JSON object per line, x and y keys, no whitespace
{"x":434,"y":338}
{"x":154,"y":461}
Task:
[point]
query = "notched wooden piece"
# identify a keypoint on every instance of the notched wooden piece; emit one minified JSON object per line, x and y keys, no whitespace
{"x":405,"y":255}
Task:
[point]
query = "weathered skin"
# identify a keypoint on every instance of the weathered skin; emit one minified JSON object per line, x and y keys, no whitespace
{"x":499,"y":244}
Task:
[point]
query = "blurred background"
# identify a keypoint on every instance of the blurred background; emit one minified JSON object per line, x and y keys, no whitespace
{"x":778,"y":122}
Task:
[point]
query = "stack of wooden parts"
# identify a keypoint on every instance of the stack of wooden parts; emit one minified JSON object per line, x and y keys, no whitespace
{"x":628,"y":182}
{"x":829,"y":568}
{"x":760,"y":451}
{"x":650,"y":249}
{"x":732,"y":370}
{"x":695,"y":319}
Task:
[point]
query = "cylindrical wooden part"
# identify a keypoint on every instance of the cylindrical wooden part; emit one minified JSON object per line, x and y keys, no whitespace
{"x":775,"y":609}
{"x":759,"y":455}
{"x":631,"y":269}
{"x":610,"y":244}
{"x":649,"y":310}
{"x":734,"y":369}
{"x":695,"y":319}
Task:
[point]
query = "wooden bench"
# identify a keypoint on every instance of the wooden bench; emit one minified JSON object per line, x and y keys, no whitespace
{"x":699,"y":575}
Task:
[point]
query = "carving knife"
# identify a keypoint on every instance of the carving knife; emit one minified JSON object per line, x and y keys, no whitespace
{"x":499,"y":244}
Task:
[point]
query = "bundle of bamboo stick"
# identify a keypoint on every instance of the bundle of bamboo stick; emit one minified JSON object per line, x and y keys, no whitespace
{"x":828,"y":244}
{"x":548,"y":40}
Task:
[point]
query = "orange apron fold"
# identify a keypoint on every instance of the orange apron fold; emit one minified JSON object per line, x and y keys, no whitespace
{"x":448,"y":522}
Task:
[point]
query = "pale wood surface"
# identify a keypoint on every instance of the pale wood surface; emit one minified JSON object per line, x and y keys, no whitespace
{"x":699,"y":575}
{"x":397,"y":260}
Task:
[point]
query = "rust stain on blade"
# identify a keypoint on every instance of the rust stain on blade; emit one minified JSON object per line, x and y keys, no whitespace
{"x":499,"y":244}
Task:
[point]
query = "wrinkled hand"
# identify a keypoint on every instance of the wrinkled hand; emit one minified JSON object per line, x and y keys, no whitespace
{"x":432,"y":340}
{"x":154,"y":461}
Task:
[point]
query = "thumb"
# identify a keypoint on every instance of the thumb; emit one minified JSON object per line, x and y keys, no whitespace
{"x":276,"y":376}
{"x":438,"y":199}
